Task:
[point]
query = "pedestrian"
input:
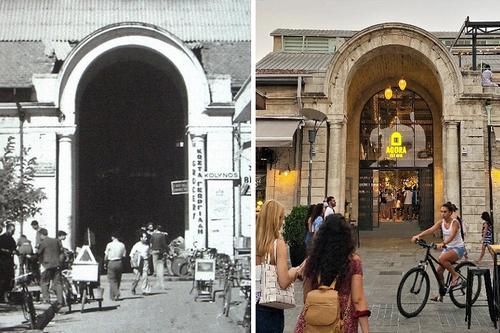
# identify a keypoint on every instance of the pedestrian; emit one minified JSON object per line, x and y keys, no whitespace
{"x":487,"y":77}
{"x":24,"y":250}
{"x":330,"y":205}
{"x":149,"y":231}
{"x":317,"y":218}
{"x":36,"y":227}
{"x":408,"y":205}
{"x":50,"y":253}
{"x":159,"y":251}
{"x":333,"y":260}
{"x":453,"y":245}
{"x":139,"y":262}
{"x":487,"y":234}
{"x":308,"y":224}
{"x":7,"y":268}
{"x":114,"y":254}
{"x":268,"y":238}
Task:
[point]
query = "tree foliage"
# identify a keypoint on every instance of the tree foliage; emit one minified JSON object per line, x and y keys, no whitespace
{"x":19,"y":199}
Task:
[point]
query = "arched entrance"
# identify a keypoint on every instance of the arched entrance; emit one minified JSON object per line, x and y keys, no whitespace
{"x":396,"y":161}
{"x":369,"y":62}
{"x":130,"y":145}
{"x":133,"y":98}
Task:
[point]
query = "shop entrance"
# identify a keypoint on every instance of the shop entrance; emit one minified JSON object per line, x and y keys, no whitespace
{"x":396,"y":161}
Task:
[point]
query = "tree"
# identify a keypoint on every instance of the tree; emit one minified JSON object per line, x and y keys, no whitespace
{"x":19,"y":199}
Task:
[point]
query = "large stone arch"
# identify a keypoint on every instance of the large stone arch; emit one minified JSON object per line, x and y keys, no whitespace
{"x":90,"y":50}
{"x":372,"y":59}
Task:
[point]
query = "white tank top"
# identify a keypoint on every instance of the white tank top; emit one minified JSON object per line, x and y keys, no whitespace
{"x":457,"y":241}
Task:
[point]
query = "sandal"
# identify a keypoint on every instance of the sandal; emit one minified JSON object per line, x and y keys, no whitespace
{"x":437,"y":298}
{"x":457,"y":282}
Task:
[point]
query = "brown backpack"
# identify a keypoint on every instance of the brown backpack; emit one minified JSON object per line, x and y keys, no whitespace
{"x":322,"y":311}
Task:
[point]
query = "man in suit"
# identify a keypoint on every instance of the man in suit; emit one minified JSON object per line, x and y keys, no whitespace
{"x":7,"y":249}
{"x":50,"y":253}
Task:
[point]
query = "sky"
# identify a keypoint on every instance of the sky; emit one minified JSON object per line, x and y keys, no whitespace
{"x":431,"y":15}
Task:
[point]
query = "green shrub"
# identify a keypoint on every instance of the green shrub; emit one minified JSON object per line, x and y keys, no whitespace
{"x":294,"y":230}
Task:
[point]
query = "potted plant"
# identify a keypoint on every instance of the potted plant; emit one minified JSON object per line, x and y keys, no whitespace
{"x":294,"y":233}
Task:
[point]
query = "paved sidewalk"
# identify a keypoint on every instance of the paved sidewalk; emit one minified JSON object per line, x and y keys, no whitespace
{"x":387,"y":254}
{"x":170,"y":310}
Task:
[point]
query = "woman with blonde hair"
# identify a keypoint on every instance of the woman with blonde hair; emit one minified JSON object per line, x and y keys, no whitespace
{"x":269,"y":243}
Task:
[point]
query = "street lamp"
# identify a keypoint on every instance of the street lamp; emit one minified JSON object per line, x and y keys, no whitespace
{"x":318,"y":117}
{"x":490,"y":182}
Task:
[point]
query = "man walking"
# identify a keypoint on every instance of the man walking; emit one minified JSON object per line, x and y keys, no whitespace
{"x":113,"y":255}
{"x":50,"y":253}
{"x":159,"y":249}
{"x":407,"y":205}
{"x":7,"y":249}
{"x":36,"y":227}
{"x":139,"y":262}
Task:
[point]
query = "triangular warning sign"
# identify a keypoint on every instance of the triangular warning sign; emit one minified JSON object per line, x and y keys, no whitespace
{"x":85,"y":256}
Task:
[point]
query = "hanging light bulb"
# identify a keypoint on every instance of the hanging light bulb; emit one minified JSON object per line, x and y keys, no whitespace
{"x":388,"y":93}
{"x":402,"y":84}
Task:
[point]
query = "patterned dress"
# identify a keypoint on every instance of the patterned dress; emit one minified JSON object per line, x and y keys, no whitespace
{"x":344,"y":289}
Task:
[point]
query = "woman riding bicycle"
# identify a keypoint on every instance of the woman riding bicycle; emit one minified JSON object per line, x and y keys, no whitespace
{"x":453,"y":245}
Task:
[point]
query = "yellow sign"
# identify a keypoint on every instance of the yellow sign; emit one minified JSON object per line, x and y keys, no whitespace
{"x":396,"y":149}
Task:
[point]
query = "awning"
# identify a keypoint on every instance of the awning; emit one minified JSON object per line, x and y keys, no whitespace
{"x":276,"y":132}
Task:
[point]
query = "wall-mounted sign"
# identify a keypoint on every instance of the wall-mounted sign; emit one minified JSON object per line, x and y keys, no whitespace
{"x":396,"y":149}
{"x":198,"y":187}
{"x":179,"y":187}
{"x":214,"y":175}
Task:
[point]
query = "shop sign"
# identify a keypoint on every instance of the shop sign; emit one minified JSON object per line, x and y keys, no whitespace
{"x":198,"y":191}
{"x":221,"y":175}
{"x":396,"y":149}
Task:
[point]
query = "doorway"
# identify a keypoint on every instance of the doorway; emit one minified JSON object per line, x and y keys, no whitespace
{"x":131,"y":145}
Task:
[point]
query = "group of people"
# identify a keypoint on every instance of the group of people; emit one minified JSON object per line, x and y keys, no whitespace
{"x":46,"y":259}
{"x":150,"y":251}
{"x":399,"y":203}
{"x":316,"y":215}
{"x":331,"y":258}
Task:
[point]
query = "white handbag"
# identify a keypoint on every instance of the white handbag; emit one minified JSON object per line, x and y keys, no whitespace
{"x":270,"y":292}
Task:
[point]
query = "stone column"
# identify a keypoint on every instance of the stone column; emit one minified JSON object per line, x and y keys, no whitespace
{"x":451,"y":162}
{"x":197,"y":193}
{"x":65,"y":188}
{"x":336,"y":164}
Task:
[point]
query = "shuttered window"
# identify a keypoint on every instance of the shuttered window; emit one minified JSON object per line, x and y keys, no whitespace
{"x":309,"y":44}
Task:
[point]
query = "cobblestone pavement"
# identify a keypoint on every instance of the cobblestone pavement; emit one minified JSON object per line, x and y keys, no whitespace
{"x":171,"y":310}
{"x":387,"y":253}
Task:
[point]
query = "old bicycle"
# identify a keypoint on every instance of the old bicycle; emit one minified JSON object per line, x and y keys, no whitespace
{"x":27,"y":305}
{"x":413,"y":290}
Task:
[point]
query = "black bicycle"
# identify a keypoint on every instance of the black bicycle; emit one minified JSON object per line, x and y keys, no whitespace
{"x":413,"y":290}
{"x":28,"y":307}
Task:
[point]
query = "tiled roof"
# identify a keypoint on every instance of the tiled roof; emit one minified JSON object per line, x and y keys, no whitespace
{"x":293,"y":63}
{"x":71,"y":20}
{"x":19,"y":60}
{"x":342,"y":33}
{"x":227,"y":58}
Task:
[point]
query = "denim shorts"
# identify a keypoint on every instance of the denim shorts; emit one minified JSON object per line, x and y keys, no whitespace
{"x":460,"y":251}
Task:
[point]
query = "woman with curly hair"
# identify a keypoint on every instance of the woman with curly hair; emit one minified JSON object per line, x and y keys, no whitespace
{"x":270,"y":245}
{"x":333,"y":258}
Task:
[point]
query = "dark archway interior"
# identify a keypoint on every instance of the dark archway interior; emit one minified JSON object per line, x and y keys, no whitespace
{"x":131,"y":118}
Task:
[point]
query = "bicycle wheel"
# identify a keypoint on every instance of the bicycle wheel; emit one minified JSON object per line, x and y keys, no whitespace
{"x":458,"y":294}
{"x":226,"y":300}
{"x":413,"y":292}
{"x":29,"y":309}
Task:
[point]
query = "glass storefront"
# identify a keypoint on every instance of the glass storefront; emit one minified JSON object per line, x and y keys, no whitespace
{"x":396,"y":157}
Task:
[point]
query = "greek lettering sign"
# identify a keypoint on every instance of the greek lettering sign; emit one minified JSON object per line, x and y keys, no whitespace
{"x":221,"y":175}
{"x":396,"y":149}
{"x":179,"y":187}
{"x":198,"y":188}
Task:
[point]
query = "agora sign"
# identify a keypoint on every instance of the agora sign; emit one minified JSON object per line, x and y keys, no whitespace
{"x":396,"y":149}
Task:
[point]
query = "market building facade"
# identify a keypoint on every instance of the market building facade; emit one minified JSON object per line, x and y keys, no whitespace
{"x":401,"y":111}
{"x":131,"y":114}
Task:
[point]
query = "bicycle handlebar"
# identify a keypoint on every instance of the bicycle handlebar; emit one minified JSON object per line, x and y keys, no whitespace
{"x":23,"y":278}
{"x":424,"y":244}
